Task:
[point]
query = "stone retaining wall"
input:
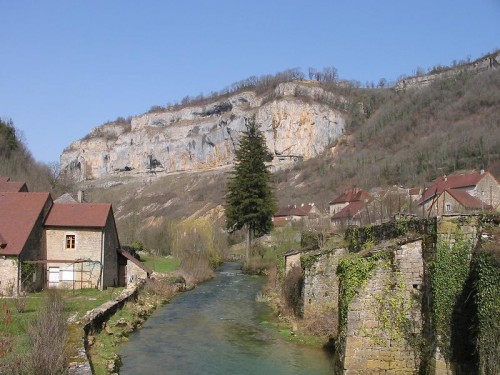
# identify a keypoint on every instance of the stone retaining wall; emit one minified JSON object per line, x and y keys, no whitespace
{"x":93,"y":322}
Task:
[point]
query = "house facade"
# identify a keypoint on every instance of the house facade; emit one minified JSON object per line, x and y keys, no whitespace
{"x":81,"y":246}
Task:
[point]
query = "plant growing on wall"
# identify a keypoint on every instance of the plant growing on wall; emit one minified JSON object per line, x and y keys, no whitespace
{"x":449,"y":273}
{"x":354,"y":272}
{"x":487,"y":299}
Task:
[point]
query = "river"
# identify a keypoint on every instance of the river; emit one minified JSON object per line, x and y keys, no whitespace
{"x":218,"y":328}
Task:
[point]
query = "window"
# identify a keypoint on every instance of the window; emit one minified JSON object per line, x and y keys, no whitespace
{"x":70,"y":241}
{"x":448,"y":207}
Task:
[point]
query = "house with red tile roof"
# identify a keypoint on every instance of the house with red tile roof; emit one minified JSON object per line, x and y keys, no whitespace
{"x":22,"y":239}
{"x":63,"y":245}
{"x":347,"y":208}
{"x":82,"y":246}
{"x":461,"y":193}
{"x":347,"y":197}
{"x":294,"y":213}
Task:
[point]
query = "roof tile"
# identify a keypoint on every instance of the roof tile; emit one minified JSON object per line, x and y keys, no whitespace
{"x":19,"y":214}
{"x":91,"y":215}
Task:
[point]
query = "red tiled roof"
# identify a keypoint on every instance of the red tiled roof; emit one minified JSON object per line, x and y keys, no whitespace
{"x":302,"y":210}
{"x":90,"y":215}
{"x":138,"y":263}
{"x":18,"y":215}
{"x":453,"y":182}
{"x":352,"y":195}
{"x":414,"y":191}
{"x":467,"y":200}
{"x":8,"y":186}
{"x":350,"y":210}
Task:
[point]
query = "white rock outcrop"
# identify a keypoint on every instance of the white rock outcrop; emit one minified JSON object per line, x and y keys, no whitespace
{"x":202,"y":137}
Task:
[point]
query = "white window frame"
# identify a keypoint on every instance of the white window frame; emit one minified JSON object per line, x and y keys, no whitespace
{"x":447,"y":207}
{"x":65,"y":241}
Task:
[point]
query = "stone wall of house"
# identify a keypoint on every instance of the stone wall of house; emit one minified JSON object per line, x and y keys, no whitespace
{"x":321,"y":285}
{"x":375,"y":341}
{"x":488,"y":190}
{"x":8,"y":275}
{"x":87,"y":247}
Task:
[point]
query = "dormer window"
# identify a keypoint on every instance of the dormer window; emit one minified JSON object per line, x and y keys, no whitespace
{"x":70,"y":241}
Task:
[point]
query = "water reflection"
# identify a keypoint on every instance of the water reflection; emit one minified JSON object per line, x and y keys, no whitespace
{"x":215,"y":329}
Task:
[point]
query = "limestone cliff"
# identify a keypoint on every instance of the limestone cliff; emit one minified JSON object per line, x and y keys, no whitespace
{"x":196,"y":138}
{"x":490,"y":61}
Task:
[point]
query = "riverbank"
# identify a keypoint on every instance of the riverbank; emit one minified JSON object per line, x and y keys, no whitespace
{"x":103,"y":338}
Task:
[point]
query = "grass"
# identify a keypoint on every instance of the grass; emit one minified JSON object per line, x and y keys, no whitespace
{"x":161,"y":264}
{"x":76,"y":304}
{"x":107,"y":344}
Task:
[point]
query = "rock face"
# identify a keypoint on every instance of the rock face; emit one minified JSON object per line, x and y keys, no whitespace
{"x":202,"y":137}
{"x":491,"y":61}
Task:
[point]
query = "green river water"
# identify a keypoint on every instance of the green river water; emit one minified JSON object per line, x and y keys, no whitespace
{"x":218,"y":328}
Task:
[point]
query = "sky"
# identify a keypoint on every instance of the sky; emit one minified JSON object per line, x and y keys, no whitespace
{"x":68,"y":66}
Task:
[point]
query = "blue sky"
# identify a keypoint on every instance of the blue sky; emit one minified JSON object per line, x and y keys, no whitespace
{"x":68,"y":66}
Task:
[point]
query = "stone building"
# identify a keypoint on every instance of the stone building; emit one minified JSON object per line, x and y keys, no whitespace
{"x":461,"y":193}
{"x":295,"y":213}
{"x":62,"y":243}
{"x":81,"y":246}
{"x":21,"y":239}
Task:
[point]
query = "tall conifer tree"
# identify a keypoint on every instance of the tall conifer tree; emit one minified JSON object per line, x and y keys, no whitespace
{"x":250,"y":201}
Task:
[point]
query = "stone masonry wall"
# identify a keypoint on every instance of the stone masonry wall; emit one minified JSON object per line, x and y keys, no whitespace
{"x":321,"y":285}
{"x":88,"y":246}
{"x":376,"y":340}
{"x":8,"y":275}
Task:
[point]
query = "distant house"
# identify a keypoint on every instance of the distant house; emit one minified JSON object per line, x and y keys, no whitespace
{"x":455,"y":201}
{"x":294,"y":213}
{"x":447,"y":194}
{"x":22,"y":239}
{"x":347,"y":197}
{"x":347,"y":209}
{"x":81,"y":246}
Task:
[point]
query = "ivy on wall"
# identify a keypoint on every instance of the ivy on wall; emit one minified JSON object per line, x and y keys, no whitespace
{"x":449,"y":273}
{"x":354,"y":272}
{"x":487,"y":298}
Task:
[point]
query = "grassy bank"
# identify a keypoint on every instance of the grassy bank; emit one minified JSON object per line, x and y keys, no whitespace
{"x":19,"y":317}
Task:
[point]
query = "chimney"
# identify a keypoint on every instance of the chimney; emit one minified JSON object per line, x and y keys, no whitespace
{"x":80,"y":196}
{"x":445,"y":178}
{"x":482,"y":171}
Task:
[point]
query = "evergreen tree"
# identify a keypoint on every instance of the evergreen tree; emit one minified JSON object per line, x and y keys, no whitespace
{"x":250,"y":201}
